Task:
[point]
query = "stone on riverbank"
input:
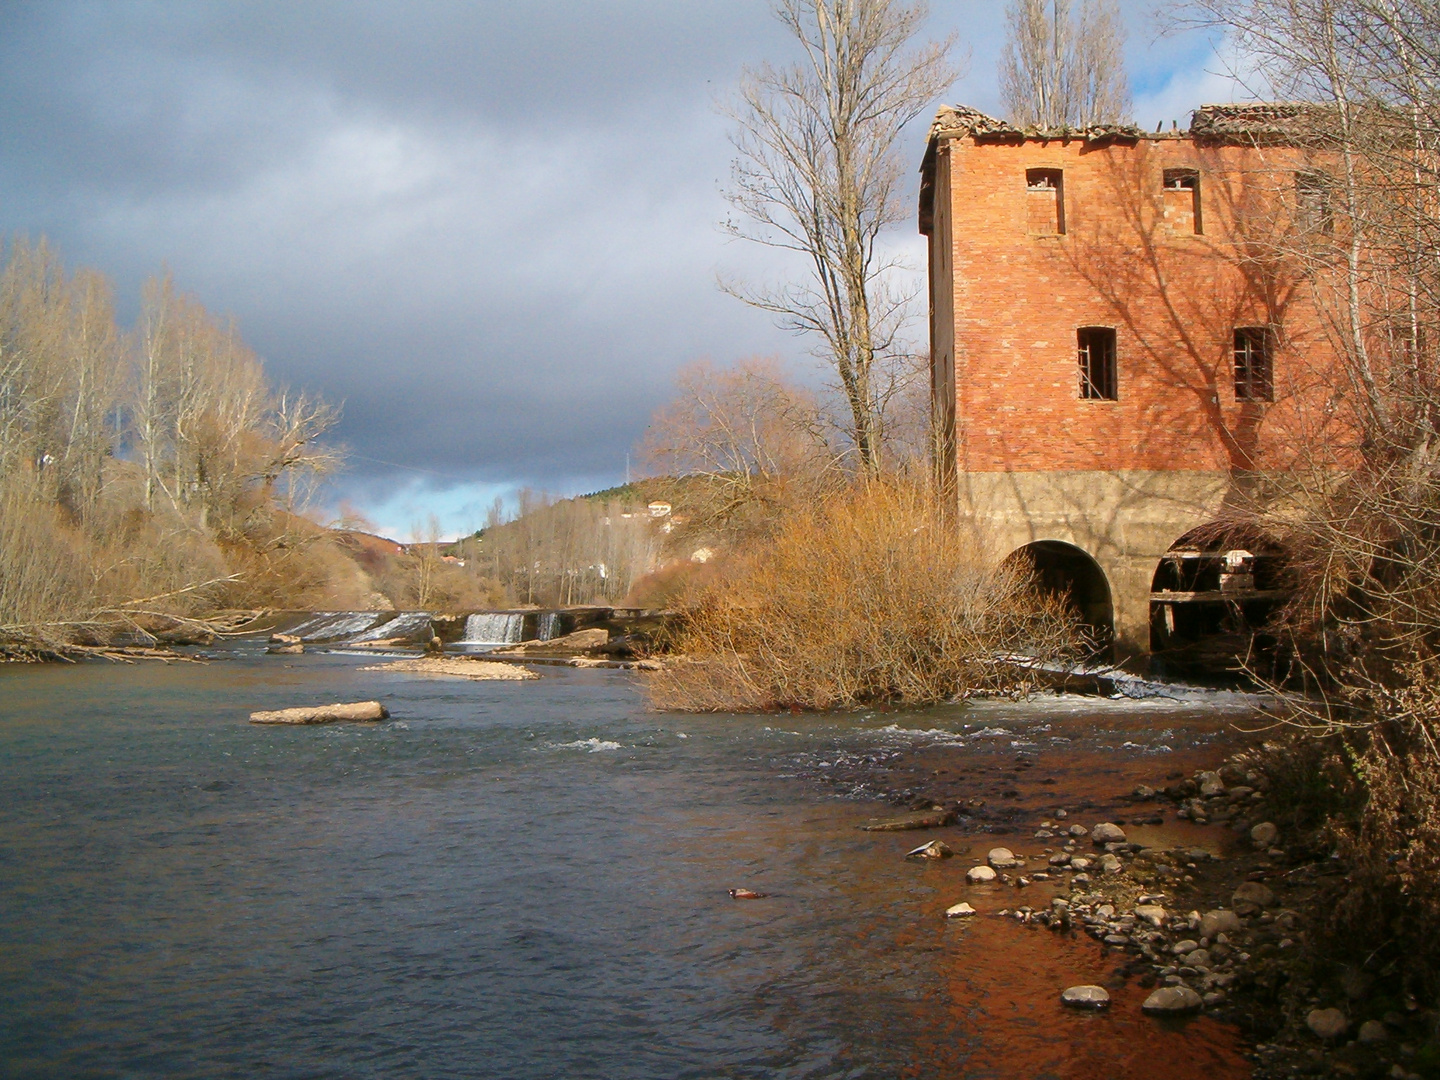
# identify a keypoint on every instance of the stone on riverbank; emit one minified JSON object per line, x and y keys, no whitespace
{"x":1264,"y":834}
{"x":1219,"y":921}
{"x":959,"y":911}
{"x":1251,"y":897}
{"x":1372,"y":1031}
{"x":1086,"y":997}
{"x":1107,"y":833}
{"x":1172,"y":999}
{"x":1002,"y":858}
{"x":323,"y":714}
{"x":291,"y":649}
{"x":1327,"y":1024}
{"x":978,"y":875}
{"x":1153,"y":914}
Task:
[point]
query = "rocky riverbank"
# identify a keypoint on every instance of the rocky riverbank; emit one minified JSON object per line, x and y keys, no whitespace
{"x":1193,"y":894}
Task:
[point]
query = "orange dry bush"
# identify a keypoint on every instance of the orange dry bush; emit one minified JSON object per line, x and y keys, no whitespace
{"x":870,"y":598}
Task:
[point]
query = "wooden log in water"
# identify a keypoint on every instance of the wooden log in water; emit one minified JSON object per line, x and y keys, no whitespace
{"x":323,"y":714}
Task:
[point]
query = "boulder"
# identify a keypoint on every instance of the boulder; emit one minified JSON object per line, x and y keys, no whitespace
{"x":1327,"y":1024}
{"x":1372,"y":1031}
{"x":1264,"y":834}
{"x":323,"y":714}
{"x":1210,"y":784}
{"x":1002,"y":859}
{"x":1086,"y":997}
{"x":978,"y":875}
{"x":959,"y":911}
{"x":1173,"y":999}
{"x":1220,"y":921}
{"x":1111,"y":864}
{"x":284,"y":639}
{"x":1200,"y":958}
{"x":1153,"y":914}
{"x":1251,"y":897}
{"x":1077,"y":830}
{"x":286,"y":650}
{"x":1107,"y":833}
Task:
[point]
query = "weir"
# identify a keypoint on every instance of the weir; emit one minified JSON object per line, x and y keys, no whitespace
{"x":493,"y":628}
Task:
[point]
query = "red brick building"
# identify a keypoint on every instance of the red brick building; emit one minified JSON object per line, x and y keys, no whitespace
{"x":1114,"y":348}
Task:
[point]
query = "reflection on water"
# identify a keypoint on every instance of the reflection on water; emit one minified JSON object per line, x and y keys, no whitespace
{"x":507,"y":879}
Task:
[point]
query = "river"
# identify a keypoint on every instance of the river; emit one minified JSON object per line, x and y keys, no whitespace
{"x":529,"y":880}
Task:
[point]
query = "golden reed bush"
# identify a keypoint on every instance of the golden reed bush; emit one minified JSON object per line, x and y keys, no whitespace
{"x":872,"y":597}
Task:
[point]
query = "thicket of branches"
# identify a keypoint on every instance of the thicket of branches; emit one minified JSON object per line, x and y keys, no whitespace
{"x":819,"y":172}
{"x":1061,"y":69}
{"x":144,"y":475}
{"x":1359,"y":504}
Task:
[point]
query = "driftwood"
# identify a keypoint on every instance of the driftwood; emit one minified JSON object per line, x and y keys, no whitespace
{"x":323,"y":714}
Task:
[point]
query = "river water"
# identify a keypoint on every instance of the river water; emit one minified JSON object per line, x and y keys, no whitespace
{"x":529,"y":880}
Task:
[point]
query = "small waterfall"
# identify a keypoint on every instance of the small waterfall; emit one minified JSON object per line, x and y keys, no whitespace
{"x":325,"y":626}
{"x":547,"y":625}
{"x":493,"y":628}
{"x":408,"y":624}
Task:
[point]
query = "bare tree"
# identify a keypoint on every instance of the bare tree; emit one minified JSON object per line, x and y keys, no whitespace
{"x":818,"y":172}
{"x":1060,"y":70}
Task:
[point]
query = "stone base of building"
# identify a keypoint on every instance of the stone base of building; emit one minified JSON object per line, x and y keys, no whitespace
{"x":1123,"y":521}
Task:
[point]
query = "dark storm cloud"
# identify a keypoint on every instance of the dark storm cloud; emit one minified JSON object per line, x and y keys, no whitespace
{"x":490,"y":228}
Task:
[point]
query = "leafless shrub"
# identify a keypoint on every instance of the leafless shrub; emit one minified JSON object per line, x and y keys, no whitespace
{"x":1064,"y":71}
{"x":869,"y":597}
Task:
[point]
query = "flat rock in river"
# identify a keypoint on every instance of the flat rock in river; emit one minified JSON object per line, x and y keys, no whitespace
{"x":920,"y":819}
{"x":1173,"y":999}
{"x":323,"y":714}
{"x":1086,"y":997}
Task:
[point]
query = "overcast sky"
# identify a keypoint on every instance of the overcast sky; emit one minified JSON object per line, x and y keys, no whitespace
{"x":488,"y":229}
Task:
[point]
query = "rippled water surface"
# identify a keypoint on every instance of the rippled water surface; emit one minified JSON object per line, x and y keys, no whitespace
{"x":513,"y":879}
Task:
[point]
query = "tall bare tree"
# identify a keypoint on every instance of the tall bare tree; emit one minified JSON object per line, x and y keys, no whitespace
{"x":1064,"y":70}
{"x":818,"y":172}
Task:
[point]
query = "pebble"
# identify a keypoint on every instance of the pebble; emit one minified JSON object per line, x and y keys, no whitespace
{"x":1060,"y":858}
{"x":1172,"y":999}
{"x":1180,"y":948}
{"x":1078,"y":830}
{"x":1080,"y":862}
{"x":1107,"y":833}
{"x":978,"y":875}
{"x":959,"y":911}
{"x":1111,"y":864}
{"x":1373,"y":1031}
{"x":1061,"y":815}
{"x":1200,"y":958}
{"x":1086,"y":997}
{"x":1145,"y":791}
{"x":1327,"y":1024}
{"x":1264,"y":834}
{"x":1002,"y":858}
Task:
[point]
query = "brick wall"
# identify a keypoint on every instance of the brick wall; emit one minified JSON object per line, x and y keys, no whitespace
{"x":1129,"y":258}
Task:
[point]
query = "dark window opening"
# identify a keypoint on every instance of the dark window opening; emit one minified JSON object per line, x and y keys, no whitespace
{"x":1254,"y":363}
{"x":1098,"y":377}
{"x":1314,"y":199}
{"x":1182,"y":199}
{"x":1045,"y":201}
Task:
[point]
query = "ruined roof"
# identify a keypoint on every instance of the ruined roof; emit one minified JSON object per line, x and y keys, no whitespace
{"x":1248,"y":122}
{"x":1269,"y":122}
{"x":959,"y":121}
